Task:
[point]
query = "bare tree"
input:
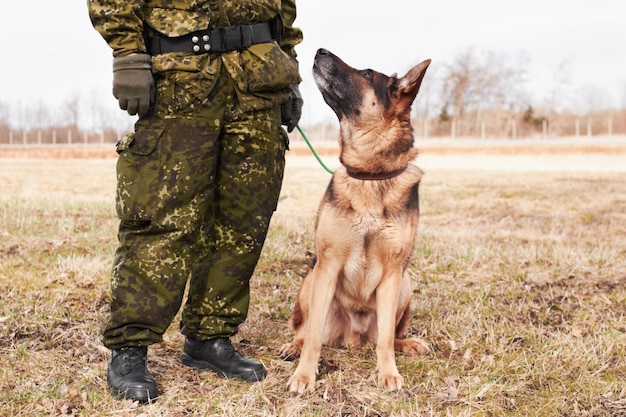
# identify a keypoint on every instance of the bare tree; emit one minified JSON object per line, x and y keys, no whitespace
{"x":71,"y":111}
{"x":561,"y":81}
{"x":5,"y":128}
{"x":476,"y":87}
{"x":40,"y":116}
{"x":457,"y":83}
{"x":5,"y":113}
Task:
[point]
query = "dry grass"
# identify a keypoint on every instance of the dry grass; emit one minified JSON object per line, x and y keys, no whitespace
{"x":520,"y":287}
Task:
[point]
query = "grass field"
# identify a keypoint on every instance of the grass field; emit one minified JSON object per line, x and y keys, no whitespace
{"x":520,"y":288}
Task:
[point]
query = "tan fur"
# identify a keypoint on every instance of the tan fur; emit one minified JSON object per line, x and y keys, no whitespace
{"x":358,"y":290}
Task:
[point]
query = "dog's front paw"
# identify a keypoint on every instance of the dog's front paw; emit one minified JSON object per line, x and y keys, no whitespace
{"x":412,"y":346}
{"x":390,"y":381}
{"x":301,"y":383}
{"x":290,"y":351}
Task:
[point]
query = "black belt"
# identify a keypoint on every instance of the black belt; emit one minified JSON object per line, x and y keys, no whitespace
{"x":211,"y":40}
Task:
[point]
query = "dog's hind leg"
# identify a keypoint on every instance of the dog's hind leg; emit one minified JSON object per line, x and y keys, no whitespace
{"x":411,"y":346}
{"x":290,"y":351}
{"x":298,"y":321}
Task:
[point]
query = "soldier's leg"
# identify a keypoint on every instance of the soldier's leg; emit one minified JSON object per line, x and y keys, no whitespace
{"x":248,"y":182}
{"x":166,"y":175}
{"x":165,"y":171}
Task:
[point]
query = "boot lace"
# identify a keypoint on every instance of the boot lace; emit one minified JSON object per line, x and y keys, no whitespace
{"x":133,"y":358}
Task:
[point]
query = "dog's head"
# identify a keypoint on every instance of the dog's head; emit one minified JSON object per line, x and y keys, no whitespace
{"x":365,"y":94}
{"x":374,"y":112}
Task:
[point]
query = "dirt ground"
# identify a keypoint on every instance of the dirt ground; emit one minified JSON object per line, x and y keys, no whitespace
{"x":519,"y":277}
{"x":594,"y":154}
{"x":602,"y":155}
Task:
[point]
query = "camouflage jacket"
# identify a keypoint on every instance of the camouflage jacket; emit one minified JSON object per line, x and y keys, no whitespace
{"x":261,"y":73}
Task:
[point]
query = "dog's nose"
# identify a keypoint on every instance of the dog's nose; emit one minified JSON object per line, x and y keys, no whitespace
{"x":322,"y":51}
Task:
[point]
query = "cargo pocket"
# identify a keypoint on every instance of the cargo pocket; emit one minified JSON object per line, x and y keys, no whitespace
{"x":268,"y":68}
{"x":138,"y":167}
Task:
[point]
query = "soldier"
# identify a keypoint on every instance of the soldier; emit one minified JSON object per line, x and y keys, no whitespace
{"x":198,"y":180}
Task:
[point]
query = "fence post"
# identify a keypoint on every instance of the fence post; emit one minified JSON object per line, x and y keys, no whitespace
{"x":513,"y":129}
{"x":85,"y":137}
{"x":54,"y":137}
{"x":453,"y":129}
{"x":544,"y":129}
{"x":101,"y":137}
{"x":39,"y":137}
{"x":589,"y":126}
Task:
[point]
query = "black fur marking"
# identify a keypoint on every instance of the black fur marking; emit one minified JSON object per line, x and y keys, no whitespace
{"x":343,"y":96}
{"x":413,"y":203}
{"x":367,"y":241}
{"x":330,"y":191}
{"x":350,"y":103}
{"x":381,"y":90}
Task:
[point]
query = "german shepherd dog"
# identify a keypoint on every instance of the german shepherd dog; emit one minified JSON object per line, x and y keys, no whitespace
{"x":358,"y":289}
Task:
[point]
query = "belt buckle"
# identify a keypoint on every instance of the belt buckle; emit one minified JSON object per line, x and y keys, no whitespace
{"x":200,"y":43}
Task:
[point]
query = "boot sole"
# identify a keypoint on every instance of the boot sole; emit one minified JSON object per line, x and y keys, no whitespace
{"x":251,"y":376}
{"x":143,"y":396}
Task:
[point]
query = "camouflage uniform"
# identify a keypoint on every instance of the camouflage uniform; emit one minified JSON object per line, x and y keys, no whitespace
{"x":199,"y":178}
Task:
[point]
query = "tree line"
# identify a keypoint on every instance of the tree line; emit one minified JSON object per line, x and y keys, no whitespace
{"x":474,"y":95}
{"x":486,"y":95}
{"x":80,"y":119}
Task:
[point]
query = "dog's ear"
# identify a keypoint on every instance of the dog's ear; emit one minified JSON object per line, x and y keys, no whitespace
{"x":409,"y":85}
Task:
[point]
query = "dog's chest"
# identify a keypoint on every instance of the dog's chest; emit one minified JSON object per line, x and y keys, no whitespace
{"x":366,"y":223}
{"x":364,"y":218}
{"x":375,"y":214}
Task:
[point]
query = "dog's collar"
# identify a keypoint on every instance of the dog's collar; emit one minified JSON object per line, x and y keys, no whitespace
{"x":375,"y":176}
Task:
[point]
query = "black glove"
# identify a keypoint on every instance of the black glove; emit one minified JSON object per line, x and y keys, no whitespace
{"x":133,"y":83}
{"x":291,"y":110}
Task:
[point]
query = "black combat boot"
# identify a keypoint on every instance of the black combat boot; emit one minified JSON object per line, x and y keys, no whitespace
{"x":220,"y":356}
{"x":128,"y":375}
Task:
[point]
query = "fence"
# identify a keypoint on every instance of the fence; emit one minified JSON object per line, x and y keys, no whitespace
{"x":504,"y":129}
{"x":513,"y":130}
{"x":424,"y":129}
{"x":61,"y":136}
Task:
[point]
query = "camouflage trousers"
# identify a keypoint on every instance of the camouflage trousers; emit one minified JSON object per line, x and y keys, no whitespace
{"x":198,"y":182}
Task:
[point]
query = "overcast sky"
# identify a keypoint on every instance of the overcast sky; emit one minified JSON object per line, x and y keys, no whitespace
{"x":51,"y":52}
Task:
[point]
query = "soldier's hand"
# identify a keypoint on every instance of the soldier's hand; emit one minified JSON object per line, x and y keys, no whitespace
{"x":291,"y":110}
{"x":133,"y":83}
